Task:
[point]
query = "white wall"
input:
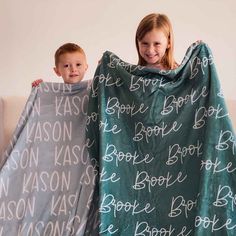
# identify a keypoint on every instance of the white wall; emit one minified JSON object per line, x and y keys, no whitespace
{"x":32,"y":30}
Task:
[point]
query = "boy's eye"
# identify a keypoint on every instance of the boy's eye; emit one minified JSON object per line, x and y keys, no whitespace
{"x":66,"y":65}
{"x":78,"y":64}
{"x":157,"y":44}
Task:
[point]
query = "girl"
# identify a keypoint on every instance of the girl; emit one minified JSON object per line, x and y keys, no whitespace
{"x":155,"y":43}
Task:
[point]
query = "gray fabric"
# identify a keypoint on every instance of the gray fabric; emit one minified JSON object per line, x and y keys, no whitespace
{"x":1,"y":128}
{"x":46,"y":175}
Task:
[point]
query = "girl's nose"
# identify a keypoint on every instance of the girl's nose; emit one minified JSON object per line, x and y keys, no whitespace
{"x":150,"y":49}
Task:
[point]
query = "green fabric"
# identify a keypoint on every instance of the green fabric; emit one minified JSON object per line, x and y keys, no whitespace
{"x":165,"y":148}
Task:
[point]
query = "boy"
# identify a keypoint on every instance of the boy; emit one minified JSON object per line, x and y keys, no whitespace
{"x":70,"y":64}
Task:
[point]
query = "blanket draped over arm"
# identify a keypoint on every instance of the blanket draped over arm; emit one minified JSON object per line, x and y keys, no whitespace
{"x":165,"y":148}
{"x":46,"y":176}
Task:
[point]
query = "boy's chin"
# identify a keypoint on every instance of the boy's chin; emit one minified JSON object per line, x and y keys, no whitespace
{"x":72,"y":80}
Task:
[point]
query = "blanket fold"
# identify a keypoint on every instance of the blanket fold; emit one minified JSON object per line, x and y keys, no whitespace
{"x":165,"y":147}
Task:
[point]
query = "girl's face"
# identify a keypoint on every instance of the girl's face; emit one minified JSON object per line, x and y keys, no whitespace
{"x":152,"y":47}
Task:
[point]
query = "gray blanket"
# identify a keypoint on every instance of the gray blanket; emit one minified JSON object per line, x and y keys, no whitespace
{"x":46,"y":176}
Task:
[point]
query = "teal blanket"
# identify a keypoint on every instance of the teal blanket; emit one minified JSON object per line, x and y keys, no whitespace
{"x":46,"y":176}
{"x":165,"y":148}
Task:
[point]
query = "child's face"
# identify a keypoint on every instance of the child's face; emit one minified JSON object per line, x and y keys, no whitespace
{"x":152,"y":47}
{"x":71,"y":67}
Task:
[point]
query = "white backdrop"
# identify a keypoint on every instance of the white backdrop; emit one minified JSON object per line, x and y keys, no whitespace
{"x":32,"y":30}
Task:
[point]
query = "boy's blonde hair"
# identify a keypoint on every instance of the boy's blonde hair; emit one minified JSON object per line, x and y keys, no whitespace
{"x":67,"y":48}
{"x":161,"y":22}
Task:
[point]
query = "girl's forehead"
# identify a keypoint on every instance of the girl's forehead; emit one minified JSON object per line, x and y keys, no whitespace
{"x":154,"y":34}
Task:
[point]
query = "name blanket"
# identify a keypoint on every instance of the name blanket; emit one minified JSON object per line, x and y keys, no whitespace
{"x":46,"y":176}
{"x":165,"y":148}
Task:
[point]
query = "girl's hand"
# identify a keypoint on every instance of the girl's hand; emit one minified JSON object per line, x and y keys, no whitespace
{"x":199,"y":41}
{"x":36,"y":83}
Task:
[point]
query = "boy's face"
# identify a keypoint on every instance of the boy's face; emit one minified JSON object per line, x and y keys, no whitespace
{"x":71,"y":67}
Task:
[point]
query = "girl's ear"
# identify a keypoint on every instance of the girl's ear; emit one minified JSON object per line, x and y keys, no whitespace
{"x":168,"y":45}
{"x":57,"y":71}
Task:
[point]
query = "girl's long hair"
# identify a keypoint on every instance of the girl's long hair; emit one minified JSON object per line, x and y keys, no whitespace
{"x":160,"y":22}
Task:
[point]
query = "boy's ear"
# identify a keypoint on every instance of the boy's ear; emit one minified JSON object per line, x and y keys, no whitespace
{"x":57,"y":71}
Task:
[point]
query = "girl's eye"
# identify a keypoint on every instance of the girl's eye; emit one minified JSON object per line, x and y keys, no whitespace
{"x":144,"y":43}
{"x":78,"y":64}
{"x":66,"y":66}
{"x":157,"y":44}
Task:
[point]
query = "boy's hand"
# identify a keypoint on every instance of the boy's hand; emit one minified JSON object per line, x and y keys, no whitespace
{"x":36,"y":83}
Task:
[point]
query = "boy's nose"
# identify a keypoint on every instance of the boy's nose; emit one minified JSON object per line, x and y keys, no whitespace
{"x":73,"y":68}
